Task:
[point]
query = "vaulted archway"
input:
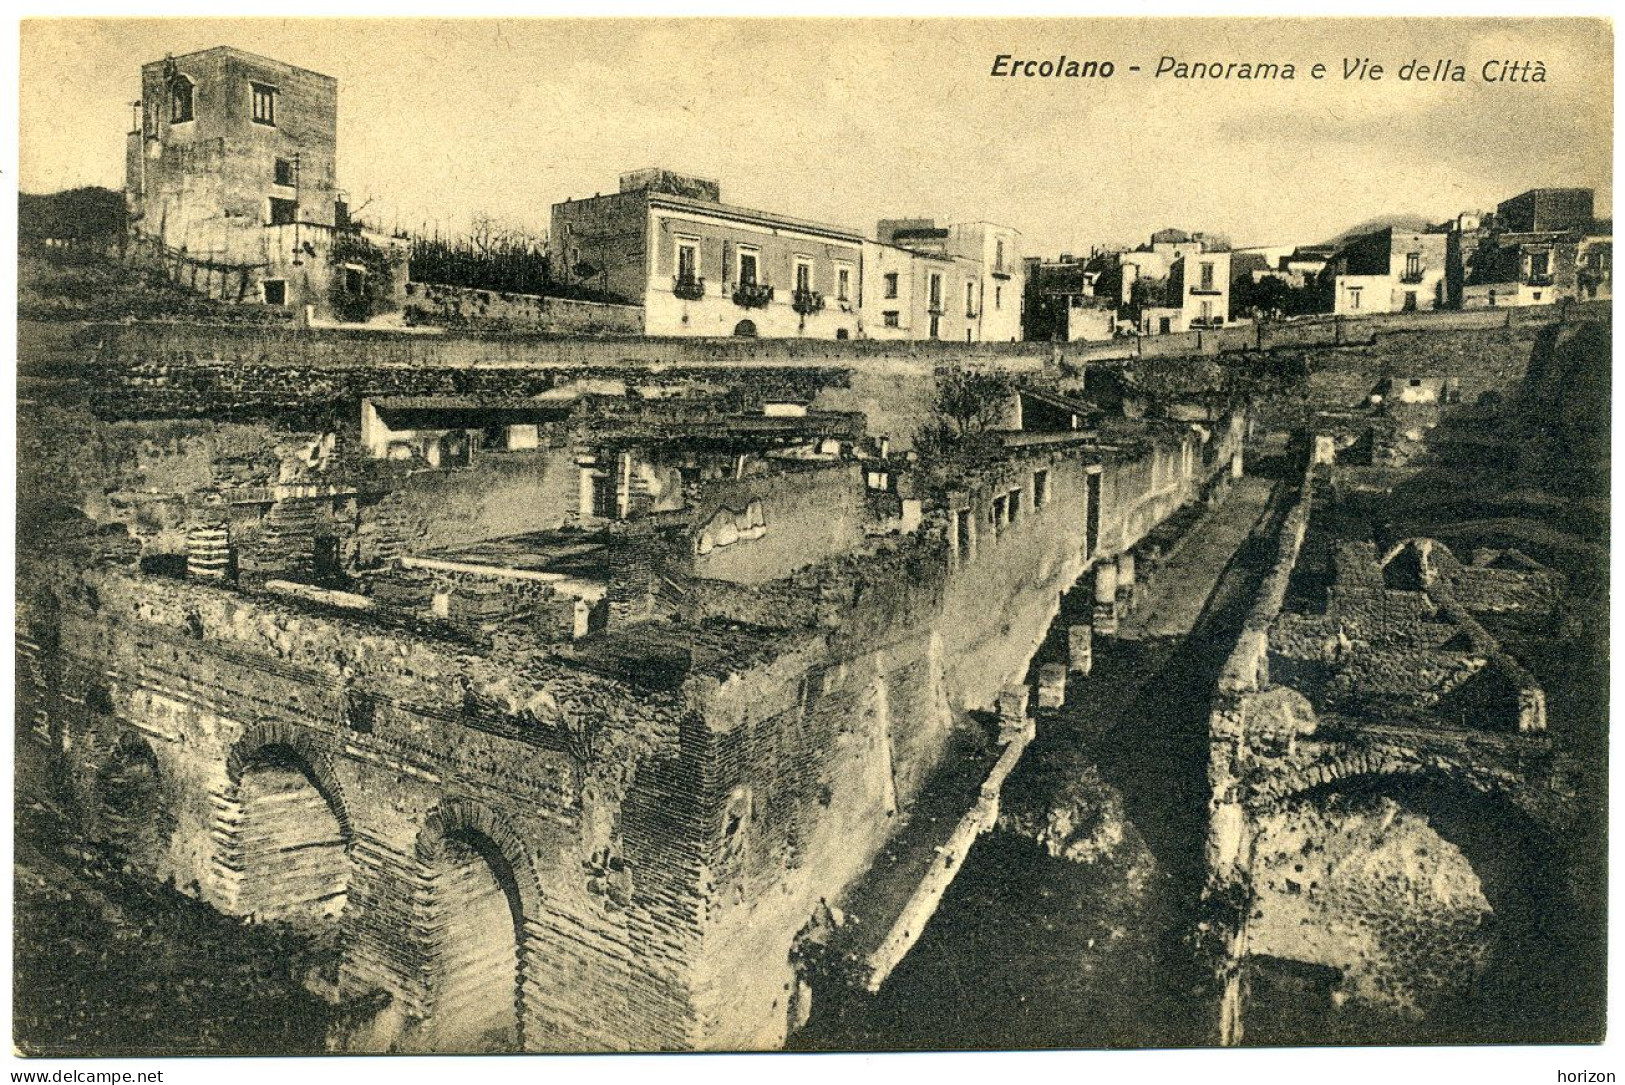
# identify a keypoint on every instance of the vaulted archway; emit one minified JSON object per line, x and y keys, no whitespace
{"x":481,"y":886}
{"x":133,"y":814}
{"x":1440,"y":908}
{"x":290,"y":842}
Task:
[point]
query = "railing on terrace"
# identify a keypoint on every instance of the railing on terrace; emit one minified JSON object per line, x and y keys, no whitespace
{"x":752,"y":295}
{"x":688,"y":287}
{"x":807,"y":302}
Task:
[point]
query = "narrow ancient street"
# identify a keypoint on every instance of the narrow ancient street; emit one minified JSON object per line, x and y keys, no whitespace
{"x":1095,"y":952}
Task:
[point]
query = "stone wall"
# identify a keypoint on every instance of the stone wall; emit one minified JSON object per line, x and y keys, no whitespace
{"x":494,"y":310}
{"x":825,"y":750}
{"x":758,"y":529}
{"x":667,"y":842}
{"x":506,"y":493}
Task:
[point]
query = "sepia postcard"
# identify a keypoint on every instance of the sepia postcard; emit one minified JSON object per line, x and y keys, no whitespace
{"x":543,"y":535}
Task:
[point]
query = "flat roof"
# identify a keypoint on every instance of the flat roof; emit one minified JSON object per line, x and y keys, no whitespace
{"x":232,"y":50}
{"x":746,"y":214}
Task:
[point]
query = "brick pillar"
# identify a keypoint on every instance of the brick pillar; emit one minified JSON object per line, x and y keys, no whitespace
{"x":1106,"y":598}
{"x":286,"y":547}
{"x":208,"y":550}
{"x":1080,"y":644}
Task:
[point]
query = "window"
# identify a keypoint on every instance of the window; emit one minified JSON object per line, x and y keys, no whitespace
{"x":180,"y":100}
{"x":1091,"y":530}
{"x":998,"y":296}
{"x":936,"y":326}
{"x":1538,"y":263}
{"x":1207,"y":276}
{"x":935,"y":295}
{"x":264,"y":109}
{"x":354,"y":279}
{"x":803,"y":276}
{"x":747,"y":267}
{"x":970,"y":300}
{"x":1040,"y":489}
{"x":1354,"y":297}
{"x":1207,"y":312}
{"x":889,"y":318}
{"x":283,"y":211}
{"x":998,"y":254}
{"x":1413,"y":265}
{"x":284,"y":172}
{"x":688,"y":259}
{"x":275,"y":291}
{"x":998,"y":512}
{"x":1015,"y":505}
{"x":843,"y":284}
{"x":891,"y":284}
{"x":964,"y":531}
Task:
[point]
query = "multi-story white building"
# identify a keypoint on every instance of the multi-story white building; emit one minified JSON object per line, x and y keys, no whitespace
{"x":1389,"y":271}
{"x":699,"y":266}
{"x":958,"y":283}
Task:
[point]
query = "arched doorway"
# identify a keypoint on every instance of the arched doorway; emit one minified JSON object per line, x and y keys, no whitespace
{"x":134,"y":817}
{"x":478,"y":925}
{"x":292,"y":839}
{"x":745,"y":329}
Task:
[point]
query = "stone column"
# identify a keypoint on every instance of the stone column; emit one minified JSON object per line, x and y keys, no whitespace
{"x":1106,"y":598}
{"x":1125,"y":581}
{"x":1051,"y":686}
{"x":1080,"y":644}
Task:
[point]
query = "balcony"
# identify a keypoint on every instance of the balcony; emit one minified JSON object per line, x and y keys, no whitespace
{"x":970,"y":314}
{"x":806,"y":302}
{"x":752,"y":295}
{"x":1209,"y":322}
{"x":688,"y":287}
{"x":1538,"y":280}
{"x":1411,"y":277}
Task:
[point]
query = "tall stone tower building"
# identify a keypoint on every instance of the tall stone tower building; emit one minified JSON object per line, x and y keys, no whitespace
{"x":231,"y":175}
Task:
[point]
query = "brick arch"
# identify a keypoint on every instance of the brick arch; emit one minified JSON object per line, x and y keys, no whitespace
{"x":458,"y":1013}
{"x":464,"y":815}
{"x":317,"y":763}
{"x":1518,"y":852}
{"x":1432,"y":545}
{"x":123,"y":745}
{"x":1325,"y":775}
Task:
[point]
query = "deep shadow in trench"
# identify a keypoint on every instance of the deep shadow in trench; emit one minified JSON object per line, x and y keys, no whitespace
{"x":1030,"y":951}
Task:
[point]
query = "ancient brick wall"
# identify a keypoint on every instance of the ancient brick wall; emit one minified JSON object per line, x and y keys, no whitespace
{"x":507,"y":493}
{"x":407,"y":738}
{"x":818,"y":756}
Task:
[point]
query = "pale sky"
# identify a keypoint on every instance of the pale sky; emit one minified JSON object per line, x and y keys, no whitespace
{"x":849,"y":121}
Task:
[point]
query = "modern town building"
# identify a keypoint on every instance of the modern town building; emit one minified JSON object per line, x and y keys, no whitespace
{"x":699,"y":266}
{"x":1388,"y":271}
